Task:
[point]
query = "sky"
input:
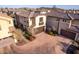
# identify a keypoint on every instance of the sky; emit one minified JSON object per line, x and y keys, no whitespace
{"x":37,"y":6}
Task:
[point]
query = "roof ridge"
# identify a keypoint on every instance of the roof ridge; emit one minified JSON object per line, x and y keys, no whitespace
{"x":70,"y":16}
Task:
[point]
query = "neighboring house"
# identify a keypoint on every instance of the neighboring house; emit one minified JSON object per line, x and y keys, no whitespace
{"x":63,"y":23}
{"x":53,"y":20}
{"x":74,"y":25}
{"x":72,"y":11}
{"x":31,"y":21}
{"x":6,"y":23}
{"x":35,"y":22}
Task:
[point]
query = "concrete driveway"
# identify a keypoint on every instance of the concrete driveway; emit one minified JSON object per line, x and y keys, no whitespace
{"x":62,"y":44}
{"x":43,"y":44}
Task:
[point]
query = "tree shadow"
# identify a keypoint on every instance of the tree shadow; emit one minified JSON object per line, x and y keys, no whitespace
{"x":69,"y":48}
{"x":64,"y":46}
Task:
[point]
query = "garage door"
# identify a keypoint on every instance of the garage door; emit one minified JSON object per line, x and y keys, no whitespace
{"x":39,"y":30}
{"x":68,"y":34}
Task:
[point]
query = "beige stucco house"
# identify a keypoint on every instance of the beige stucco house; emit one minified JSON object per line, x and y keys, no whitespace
{"x":31,"y":21}
{"x":6,"y":38}
{"x":5,"y":23}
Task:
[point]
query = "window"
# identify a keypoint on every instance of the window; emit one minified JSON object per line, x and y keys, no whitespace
{"x":64,"y":20}
{"x":41,"y":21}
{"x":24,"y":18}
{"x":32,"y":20}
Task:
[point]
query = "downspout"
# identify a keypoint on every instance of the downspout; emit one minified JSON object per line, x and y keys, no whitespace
{"x":76,"y":37}
{"x":45,"y":24}
{"x":70,"y":23}
{"x":58,"y":29}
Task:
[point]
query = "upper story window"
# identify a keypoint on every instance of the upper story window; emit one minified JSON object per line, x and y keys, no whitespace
{"x":25,"y":19}
{"x":41,"y":21}
{"x":32,"y":21}
{"x":64,"y":20}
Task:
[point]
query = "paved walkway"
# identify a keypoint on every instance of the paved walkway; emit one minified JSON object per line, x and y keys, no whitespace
{"x":43,"y":44}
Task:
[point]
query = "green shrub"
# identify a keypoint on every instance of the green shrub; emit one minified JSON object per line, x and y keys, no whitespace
{"x":26,"y":32}
{"x":54,"y":33}
{"x":26,"y":35}
{"x":51,"y":33}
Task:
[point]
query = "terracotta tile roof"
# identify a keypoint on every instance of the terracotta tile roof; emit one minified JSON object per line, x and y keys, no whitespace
{"x":32,"y":14}
{"x":24,"y":14}
{"x":28,"y":14}
{"x":5,"y":15}
{"x":5,"y":10}
{"x":11,"y":9}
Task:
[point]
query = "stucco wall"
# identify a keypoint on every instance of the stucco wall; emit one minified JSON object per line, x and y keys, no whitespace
{"x":23,"y":21}
{"x":63,"y":25}
{"x":76,"y":22}
{"x":37,"y":21}
{"x":30,"y":22}
{"x":4,"y":32}
{"x":51,"y":22}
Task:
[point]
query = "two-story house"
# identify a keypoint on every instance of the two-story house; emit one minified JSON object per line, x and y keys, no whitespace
{"x":5,"y":23}
{"x":74,"y":25}
{"x":53,"y":20}
{"x":32,"y":21}
{"x":63,"y":23}
{"x":6,"y":38}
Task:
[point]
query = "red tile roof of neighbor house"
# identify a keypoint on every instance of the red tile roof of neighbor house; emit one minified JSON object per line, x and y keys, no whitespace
{"x":5,"y":15}
{"x":52,"y":13}
{"x":32,"y":14}
{"x":11,"y":9}
{"x":5,"y":10}
{"x":24,"y":14}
